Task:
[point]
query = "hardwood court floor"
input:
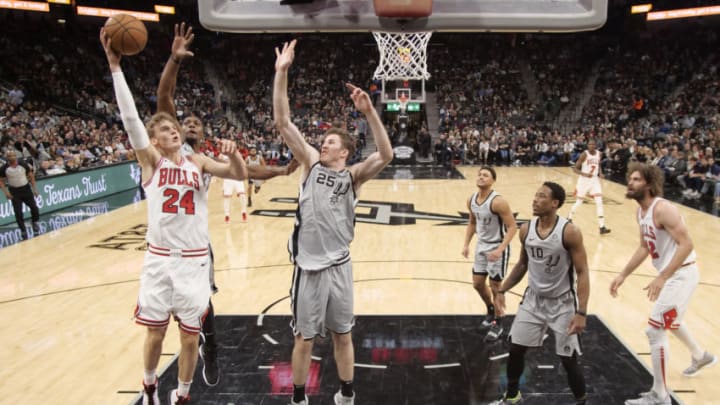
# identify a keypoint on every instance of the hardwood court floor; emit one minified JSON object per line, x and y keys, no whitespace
{"x":66,"y":298}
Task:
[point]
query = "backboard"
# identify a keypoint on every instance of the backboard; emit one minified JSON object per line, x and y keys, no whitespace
{"x":258,"y":16}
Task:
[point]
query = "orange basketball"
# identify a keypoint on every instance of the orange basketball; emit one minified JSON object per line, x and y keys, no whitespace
{"x":128,"y":34}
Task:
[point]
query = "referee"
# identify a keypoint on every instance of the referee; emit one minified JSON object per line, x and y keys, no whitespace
{"x":20,"y":189}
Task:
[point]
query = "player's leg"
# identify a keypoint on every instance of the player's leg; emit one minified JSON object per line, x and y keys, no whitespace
{"x":527,"y":331}
{"x":480,"y":274}
{"x":249,"y":192}
{"x":567,"y":347}
{"x":153,"y":311}
{"x":191,"y":295}
{"x":208,"y":349}
{"x":596,"y":191}
{"x":340,"y":320}
{"x":308,"y":302}
{"x":227,"y":195}
{"x":687,"y":278}
{"x":580,"y":192}
{"x":240,"y":190}
{"x":575,"y":377}
{"x":496,"y":272}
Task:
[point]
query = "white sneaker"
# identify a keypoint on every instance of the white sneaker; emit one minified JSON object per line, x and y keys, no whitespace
{"x":176,"y":400}
{"x":150,"y":394}
{"x":649,"y":398}
{"x":303,"y":402}
{"x":708,"y":360}
{"x":340,"y":399}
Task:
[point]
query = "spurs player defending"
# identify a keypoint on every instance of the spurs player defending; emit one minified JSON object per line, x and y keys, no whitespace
{"x":176,"y":266}
{"x":193,"y":134}
{"x":588,"y":168}
{"x":322,"y":286}
{"x":664,"y":237}
{"x":492,"y":220}
{"x":553,"y":255}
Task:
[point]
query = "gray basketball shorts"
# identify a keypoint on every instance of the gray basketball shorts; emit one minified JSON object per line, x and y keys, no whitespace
{"x":322,"y":300}
{"x":536,"y":314}
{"x":482,"y":266}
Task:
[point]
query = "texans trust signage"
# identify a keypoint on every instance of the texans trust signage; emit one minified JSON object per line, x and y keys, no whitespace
{"x":63,"y":191}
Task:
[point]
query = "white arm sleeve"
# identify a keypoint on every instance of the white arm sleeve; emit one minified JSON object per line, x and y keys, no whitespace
{"x":128,"y":113}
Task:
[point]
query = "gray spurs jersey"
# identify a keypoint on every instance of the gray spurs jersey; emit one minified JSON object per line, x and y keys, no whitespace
{"x":325,"y":219}
{"x":489,"y":226}
{"x":550,"y":268}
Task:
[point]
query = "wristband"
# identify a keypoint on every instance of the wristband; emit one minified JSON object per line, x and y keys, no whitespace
{"x":581,"y":313}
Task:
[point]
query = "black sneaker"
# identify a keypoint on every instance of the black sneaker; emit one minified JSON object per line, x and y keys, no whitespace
{"x":24,"y":235}
{"x":210,"y":371}
{"x":604,"y":231}
{"x":496,"y":330}
{"x":35,"y":228}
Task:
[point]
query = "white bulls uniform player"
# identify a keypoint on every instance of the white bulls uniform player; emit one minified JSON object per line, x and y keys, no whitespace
{"x":664,"y":237}
{"x":177,"y":262}
{"x":174,"y":279}
{"x":588,"y":169}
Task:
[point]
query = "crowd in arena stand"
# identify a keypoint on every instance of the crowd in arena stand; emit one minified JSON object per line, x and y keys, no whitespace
{"x":655,"y":96}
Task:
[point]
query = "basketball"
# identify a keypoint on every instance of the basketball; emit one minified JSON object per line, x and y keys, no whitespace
{"x":128,"y":34}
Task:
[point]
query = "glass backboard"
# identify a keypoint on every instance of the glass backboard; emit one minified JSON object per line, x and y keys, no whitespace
{"x":258,"y":16}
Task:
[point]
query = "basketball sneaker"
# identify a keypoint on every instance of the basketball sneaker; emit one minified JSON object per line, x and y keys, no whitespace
{"x":176,"y":400}
{"x":489,"y":318}
{"x":303,"y":402}
{"x":494,"y":333}
{"x":604,"y":231}
{"x":150,"y":394}
{"x":708,"y":360}
{"x":340,"y":399}
{"x":508,"y":401}
{"x":227,"y":219}
{"x":244,"y":216}
{"x":210,"y":370}
{"x":36,"y":228}
{"x":649,"y":398}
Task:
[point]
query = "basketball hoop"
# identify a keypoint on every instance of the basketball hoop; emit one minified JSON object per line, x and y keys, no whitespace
{"x":403,"y":55}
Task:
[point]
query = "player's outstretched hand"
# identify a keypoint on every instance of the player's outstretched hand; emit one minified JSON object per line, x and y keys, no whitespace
{"x":615,"y":285}
{"x":285,"y":57}
{"x":360,"y":98}
{"x":181,"y":43}
{"x":577,"y":325}
{"x":113,"y":57}
{"x":227,"y":147}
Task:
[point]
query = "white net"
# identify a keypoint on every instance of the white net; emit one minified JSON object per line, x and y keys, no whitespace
{"x":403,"y":55}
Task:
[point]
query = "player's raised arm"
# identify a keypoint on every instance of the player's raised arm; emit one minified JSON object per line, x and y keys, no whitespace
{"x":168,"y":80}
{"x":146,"y":154}
{"x":301,"y":150}
{"x":373,"y":164}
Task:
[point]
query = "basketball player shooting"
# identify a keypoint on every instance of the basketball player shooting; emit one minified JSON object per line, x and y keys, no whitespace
{"x":174,"y":279}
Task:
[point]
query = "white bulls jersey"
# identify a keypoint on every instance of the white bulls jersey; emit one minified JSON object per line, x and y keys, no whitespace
{"x":488,"y":224}
{"x":591,"y":164}
{"x":550,"y":269}
{"x":177,"y":206}
{"x":661,"y":245}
